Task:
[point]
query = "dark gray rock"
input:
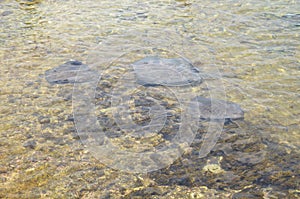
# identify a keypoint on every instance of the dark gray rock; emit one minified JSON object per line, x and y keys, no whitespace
{"x":5,"y":13}
{"x":44,"y":120}
{"x":30,"y":144}
{"x":154,"y":71}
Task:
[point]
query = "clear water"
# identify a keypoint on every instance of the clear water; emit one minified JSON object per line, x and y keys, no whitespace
{"x":253,"y":44}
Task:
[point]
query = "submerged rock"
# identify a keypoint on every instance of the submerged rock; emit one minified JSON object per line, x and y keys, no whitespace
{"x":69,"y":72}
{"x":30,"y":144}
{"x":154,"y":71}
{"x":5,"y":13}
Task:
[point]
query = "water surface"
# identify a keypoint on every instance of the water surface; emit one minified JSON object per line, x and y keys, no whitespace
{"x":253,"y":44}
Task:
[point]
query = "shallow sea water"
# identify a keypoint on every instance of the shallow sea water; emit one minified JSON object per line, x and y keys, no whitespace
{"x":254,"y":45}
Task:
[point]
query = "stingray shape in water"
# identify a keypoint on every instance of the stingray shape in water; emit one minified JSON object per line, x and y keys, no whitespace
{"x":215,"y":109}
{"x":154,"y":71}
{"x":69,"y":73}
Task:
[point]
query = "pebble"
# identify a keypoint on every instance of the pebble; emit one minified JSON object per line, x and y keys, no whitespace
{"x":30,"y":144}
{"x":44,"y":120}
{"x":5,"y":13}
